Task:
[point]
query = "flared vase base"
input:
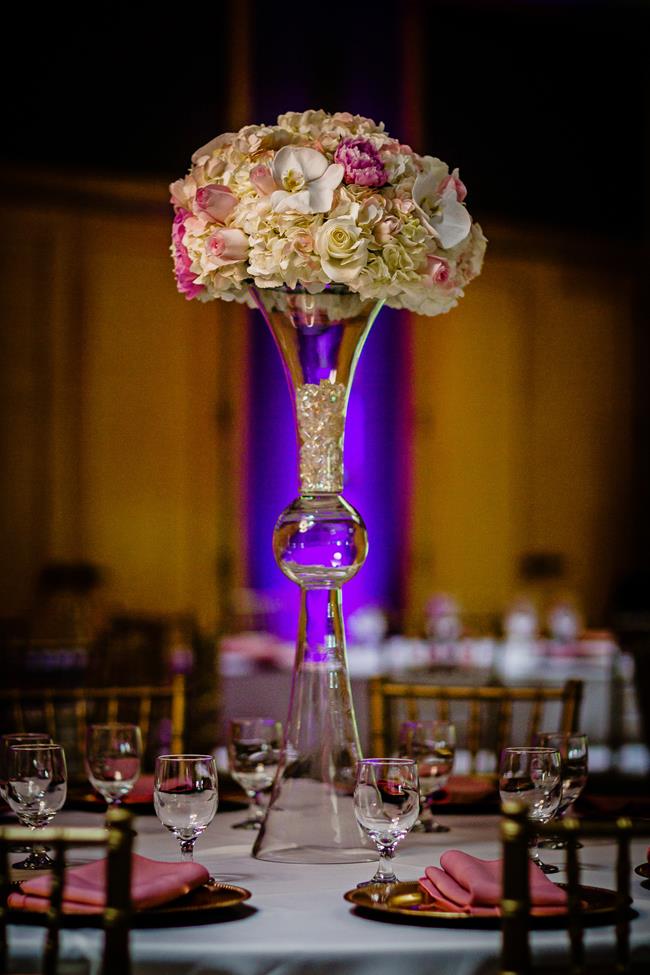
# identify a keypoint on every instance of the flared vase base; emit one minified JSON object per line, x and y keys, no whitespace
{"x":317,"y":854}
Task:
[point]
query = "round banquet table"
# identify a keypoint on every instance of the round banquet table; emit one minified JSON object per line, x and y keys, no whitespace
{"x":302,"y":924}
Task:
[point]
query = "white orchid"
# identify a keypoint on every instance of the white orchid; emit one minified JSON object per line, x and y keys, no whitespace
{"x":441,"y":213}
{"x":281,"y":205}
{"x":308,"y":181}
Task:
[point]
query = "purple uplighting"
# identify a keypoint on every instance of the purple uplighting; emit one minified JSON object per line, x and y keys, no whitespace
{"x":373,"y":472}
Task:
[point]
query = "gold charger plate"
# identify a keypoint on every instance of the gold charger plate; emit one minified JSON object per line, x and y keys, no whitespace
{"x":202,"y":906}
{"x":207,"y":904}
{"x":406,"y":903}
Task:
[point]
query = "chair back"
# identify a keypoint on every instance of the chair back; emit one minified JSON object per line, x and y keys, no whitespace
{"x":117,"y":838}
{"x":516,"y":832}
{"x":486,"y":714}
{"x":64,"y":714}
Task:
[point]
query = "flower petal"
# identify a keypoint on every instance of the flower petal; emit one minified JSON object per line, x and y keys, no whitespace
{"x":283,"y":202}
{"x":321,"y":190}
{"x":455,"y":222}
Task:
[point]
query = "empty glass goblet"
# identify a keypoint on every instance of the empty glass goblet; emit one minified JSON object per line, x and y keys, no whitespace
{"x":386,"y":805}
{"x":36,"y":790}
{"x":574,"y":752}
{"x":432,"y":745}
{"x":113,"y":759}
{"x":533,"y":775}
{"x":185,"y":796}
{"x":253,"y":754}
{"x":17,"y":738}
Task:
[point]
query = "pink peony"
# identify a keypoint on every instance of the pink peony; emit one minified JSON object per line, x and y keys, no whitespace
{"x":216,"y":201}
{"x":184,"y":277}
{"x":361,"y":162}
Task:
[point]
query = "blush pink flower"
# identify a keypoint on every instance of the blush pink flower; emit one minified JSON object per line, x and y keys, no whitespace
{"x":453,"y":180}
{"x":262,"y":179}
{"x":227,"y":246}
{"x":185,"y":279}
{"x":361,"y":162}
{"x":216,"y":201}
{"x":437,"y":270}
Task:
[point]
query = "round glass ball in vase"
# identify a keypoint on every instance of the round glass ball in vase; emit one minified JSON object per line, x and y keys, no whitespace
{"x":318,"y":221}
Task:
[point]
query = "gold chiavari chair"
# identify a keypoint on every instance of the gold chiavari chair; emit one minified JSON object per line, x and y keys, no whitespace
{"x":117,"y":837}
{"x":485,"y":713}
{"x":65,"y":713}
{"x":516,"y":832}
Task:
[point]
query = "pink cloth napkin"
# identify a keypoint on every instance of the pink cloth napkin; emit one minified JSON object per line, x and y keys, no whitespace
{"x":142,"y":791}
{"x":84,"y":890}
{"x":472,"y":886}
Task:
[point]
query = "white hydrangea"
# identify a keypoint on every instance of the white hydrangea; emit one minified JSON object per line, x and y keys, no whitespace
{"x":318,"y":199}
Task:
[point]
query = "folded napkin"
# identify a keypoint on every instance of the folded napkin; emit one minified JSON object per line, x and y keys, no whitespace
{"x":472,"y":886}
{"x":142,"y":791}
{"x":465,"y":789}
{"x":84,"y":889}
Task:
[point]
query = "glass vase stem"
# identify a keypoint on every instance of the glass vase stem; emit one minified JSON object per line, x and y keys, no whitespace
{"x":319,"y":542}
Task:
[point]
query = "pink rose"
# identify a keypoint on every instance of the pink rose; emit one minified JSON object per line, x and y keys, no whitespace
{"x":361,"y":163}
{"x":262,"y":179}
{"x":228,"y":246}
{"x":437,"y":270}
{"x":216,"y":201}
{"x":459,"y":186}
{"x":185,"y":279}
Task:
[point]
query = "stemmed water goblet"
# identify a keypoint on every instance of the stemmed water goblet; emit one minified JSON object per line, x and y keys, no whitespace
{"x":186,"y":796}
{"x":574,"y":752}
{"x":432,"y":745}
{"x":17,"y":738}
{"x":253,"y":755}
{"x":36,"y":790}
{"x":386,"y":805}
{"x":113,"y":759}
{"x":534,"y":775}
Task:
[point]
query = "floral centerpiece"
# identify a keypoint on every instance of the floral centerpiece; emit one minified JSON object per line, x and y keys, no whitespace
{"x":319,"y":221}
{"x":322,"y":199}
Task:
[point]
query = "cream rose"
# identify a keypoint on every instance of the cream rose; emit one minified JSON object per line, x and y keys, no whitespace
{"x":342,"y":249}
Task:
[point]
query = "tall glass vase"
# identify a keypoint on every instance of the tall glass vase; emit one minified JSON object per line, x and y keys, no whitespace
{"x":319,"y":542}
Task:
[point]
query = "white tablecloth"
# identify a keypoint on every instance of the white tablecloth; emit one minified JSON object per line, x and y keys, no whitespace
{"x":301,"y":923}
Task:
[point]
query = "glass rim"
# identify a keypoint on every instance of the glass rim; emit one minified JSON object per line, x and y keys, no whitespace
{"x":386,"y":761}
{"x":533,"y":749}
{"x":52,"y":746}
{"x":184,"y":757}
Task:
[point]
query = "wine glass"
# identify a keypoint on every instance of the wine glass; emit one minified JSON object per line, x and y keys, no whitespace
{"x":432,"y":745}
{"x":533,"y":775}
{"x":17,"y":738}
{"x":185,"y":796}
{"x":36,"y":790}
{"x":253,"y":753}
{"x":113,"y":759}
{"x":387,"y":805}
{"x":574,"y":752}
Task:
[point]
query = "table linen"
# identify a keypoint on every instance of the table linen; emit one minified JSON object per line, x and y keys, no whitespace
{"x":301,"y":925}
